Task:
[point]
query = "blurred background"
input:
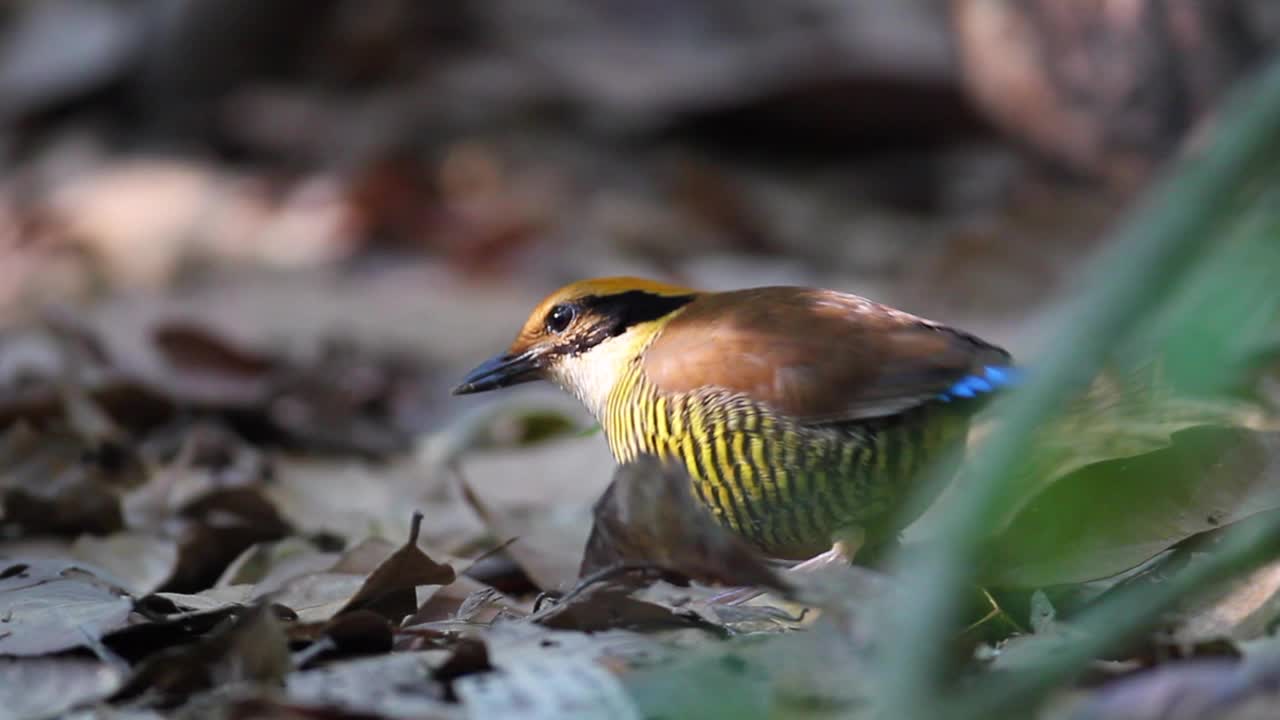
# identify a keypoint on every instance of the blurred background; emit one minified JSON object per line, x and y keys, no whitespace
{"x":420,"y":173}
{"x":247,"y":247}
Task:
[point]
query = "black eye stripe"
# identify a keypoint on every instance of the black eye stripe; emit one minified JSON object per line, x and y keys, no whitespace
{"x":606,"y":316}
{"x":632,"y":307}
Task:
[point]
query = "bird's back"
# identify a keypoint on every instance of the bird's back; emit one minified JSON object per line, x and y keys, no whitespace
{"x":801,"y":413}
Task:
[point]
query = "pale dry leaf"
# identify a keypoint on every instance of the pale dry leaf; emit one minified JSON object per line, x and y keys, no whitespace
{"x":138,"y":562}
{"x":38,"y":688}
{"x":48,"y":606}
{"x":510,"y":490}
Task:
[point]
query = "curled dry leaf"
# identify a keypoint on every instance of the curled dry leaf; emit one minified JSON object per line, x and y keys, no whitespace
{"x":648,"y":516}
{"x":370,"y":576}
{"x":389,"y":591}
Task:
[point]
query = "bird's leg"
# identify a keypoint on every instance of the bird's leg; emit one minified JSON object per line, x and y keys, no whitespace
{"x":843,"y":550}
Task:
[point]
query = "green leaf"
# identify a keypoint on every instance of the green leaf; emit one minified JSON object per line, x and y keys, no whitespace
{"x":1111,"y":516}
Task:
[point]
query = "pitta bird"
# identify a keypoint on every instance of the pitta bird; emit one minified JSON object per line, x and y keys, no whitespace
{"x":803,"y":416}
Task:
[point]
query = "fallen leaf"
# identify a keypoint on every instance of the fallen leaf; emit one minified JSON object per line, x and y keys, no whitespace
{"x":53,"y":482}
{"x":466,"y":602}
{"x":1122,"y":415}
{"x":318,"y":597}
{"x":216,"y":598}
{"x":361,"y":632}
{"x":191,"y":348}
{"x":37,"y":688}
{"x":394,"y":686}
{"x":603,"y":607}
{"x":390,"y":590}
{"x":47,"y":606}
{"x":215,"y":527}
{"x":648,"y":516}
{"x":251,"y":649}
{"x":169,"y":621}
{"x":268,"y":566}
{"x":469,"y":657}
{"x":372,"y":575}
{"x":1186,"y":690}
{"x":548,"y":537}
{"x":138,"y":562}
{"x":1208,"y":478}
{"x":1237,"y":611}
{"x":204,"y":368}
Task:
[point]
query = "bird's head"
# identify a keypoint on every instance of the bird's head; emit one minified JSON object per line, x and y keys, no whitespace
{"x":582,"y":336}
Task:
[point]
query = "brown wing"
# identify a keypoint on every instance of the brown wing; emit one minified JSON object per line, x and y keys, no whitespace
{"x":818,"y":355}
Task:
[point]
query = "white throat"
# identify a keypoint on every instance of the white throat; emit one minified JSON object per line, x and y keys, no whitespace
{"x":591,"y":376}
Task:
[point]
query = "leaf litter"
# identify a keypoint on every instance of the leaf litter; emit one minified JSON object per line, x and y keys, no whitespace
{"x":231,"y":530}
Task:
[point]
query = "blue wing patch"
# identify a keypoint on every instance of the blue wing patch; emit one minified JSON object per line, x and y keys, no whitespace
{"x":992,"y":378}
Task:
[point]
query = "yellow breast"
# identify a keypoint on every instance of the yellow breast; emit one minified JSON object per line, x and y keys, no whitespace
{"x":786,"y":487}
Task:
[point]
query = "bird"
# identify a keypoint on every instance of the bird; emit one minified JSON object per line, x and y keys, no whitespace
{"x":804,"y":417}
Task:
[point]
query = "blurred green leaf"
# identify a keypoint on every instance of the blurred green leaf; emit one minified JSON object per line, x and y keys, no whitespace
{"x":1157,"y":261}
{"x":1111,"y":516}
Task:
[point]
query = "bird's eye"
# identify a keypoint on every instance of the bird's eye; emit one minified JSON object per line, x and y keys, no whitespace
{"x":559,"y":318}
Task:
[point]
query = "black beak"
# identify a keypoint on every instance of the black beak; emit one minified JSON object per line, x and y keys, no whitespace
{"x":500,"y":371}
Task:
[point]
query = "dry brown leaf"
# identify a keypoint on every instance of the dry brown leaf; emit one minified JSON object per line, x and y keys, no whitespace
{"x":390,"y":590}
{"x":213,"y":529}
{"x":469,"y":656}
{"x":251,"y":649}
{"x":210,"y":368}
{"x":603,"y":607}
{"x":53,"y":482}
{"x":648,"y":516}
